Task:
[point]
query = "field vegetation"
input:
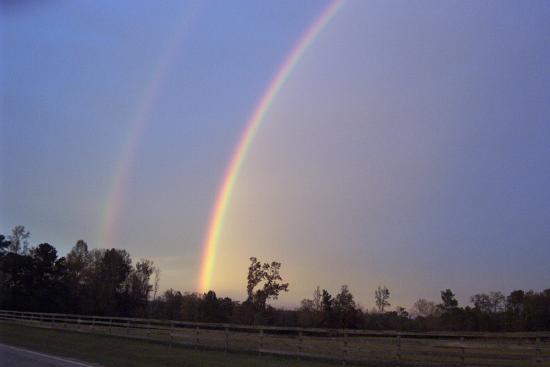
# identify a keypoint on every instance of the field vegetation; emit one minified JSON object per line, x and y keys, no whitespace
{"x":112,"y":351}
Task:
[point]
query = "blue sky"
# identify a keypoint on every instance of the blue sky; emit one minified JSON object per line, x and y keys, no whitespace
{"x":409,"y":147}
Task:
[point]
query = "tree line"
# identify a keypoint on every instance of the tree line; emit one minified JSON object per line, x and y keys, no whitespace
{"x":107,"y":282}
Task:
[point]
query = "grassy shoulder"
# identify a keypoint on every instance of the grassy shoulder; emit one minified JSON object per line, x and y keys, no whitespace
{"x":116,"y":351}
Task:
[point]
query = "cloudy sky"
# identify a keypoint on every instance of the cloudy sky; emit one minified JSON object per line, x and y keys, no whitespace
{"x":409,"y":146}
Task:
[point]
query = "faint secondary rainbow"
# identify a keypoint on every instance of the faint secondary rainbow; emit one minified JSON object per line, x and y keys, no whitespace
{"x":223,"y":198}
{"x":125,"y":163}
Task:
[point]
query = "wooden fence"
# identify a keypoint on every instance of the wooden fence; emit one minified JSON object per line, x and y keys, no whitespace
{"x":340,"y":345}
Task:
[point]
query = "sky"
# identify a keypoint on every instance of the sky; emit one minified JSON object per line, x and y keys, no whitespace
{"x":408,"y":147}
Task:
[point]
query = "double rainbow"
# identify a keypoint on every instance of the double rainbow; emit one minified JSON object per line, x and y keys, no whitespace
{"x":225,"y":191}
{"x":113,"y":206}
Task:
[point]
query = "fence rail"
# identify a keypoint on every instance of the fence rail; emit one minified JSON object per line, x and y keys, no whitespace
{"x":342,"y":345}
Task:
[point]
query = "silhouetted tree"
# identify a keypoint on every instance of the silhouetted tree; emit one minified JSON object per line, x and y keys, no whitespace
{"x":104,"y":282}
{"x":310,"y":310}
{"x":536,"y":310}
{"x":225,"y":309}
{"x":191,"y":307}
{"x":17,"y":274}
{"x":50,"y":288}
{"x":326,"y":300}
{"x":78,"y":259}
{"x":172,"y":304}
{"x":452,"y":317}
{"x":209,"y":306}
{"x":381,"y":296}
{"x":137,"y":288}
{"x":448,"y":301}
{"x":107,"y":275}
{"x":345,"y":308}
{"x":401,"y":312}
{"x":269,"y":274}
{"x":489,"y":303}
{"x":329,"y":317}
{"x":515,"y":310}
{"x":4,"y":244}
{"x":255,"y":275}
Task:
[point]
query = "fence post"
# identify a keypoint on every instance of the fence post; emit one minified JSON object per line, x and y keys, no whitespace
{"x":226,"y":332}
{"x":261,"y":342}
{"x":148,"y":333}
{"x":171,"y":332}
{"x":300,"y":342}
{"x":398,"y":352}
{"x":462,"y":351}
{"x":345,"y":348}
{"x":110,"y":326}
{"x":127,"y":327}
{"x":197,"y":340}
{"x":538,"y":351}
{"x":366,"y":344}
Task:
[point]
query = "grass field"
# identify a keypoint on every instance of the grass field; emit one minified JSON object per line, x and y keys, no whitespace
{"x":116,"y":351}
{"x":144,"y":343}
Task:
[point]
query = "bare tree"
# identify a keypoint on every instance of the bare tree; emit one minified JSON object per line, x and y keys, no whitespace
{"x":498,"y":302}
{"x":317,"y":300}
{"x":381,"y":296}
{"x":156,"y":282}
{"x":306,"y":305}
{"x":423,"y":308}
{"x":19,"y":240}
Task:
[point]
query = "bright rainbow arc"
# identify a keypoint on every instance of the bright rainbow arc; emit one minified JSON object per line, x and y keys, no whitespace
{"x":233,"y":168}
{"x":115,"y":197}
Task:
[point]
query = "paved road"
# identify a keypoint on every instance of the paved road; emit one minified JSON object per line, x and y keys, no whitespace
{"x":18,"y":357}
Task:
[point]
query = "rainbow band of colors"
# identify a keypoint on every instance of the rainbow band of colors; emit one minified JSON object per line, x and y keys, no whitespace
{"x":128,"y":154}
{"x":219,"y":210}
